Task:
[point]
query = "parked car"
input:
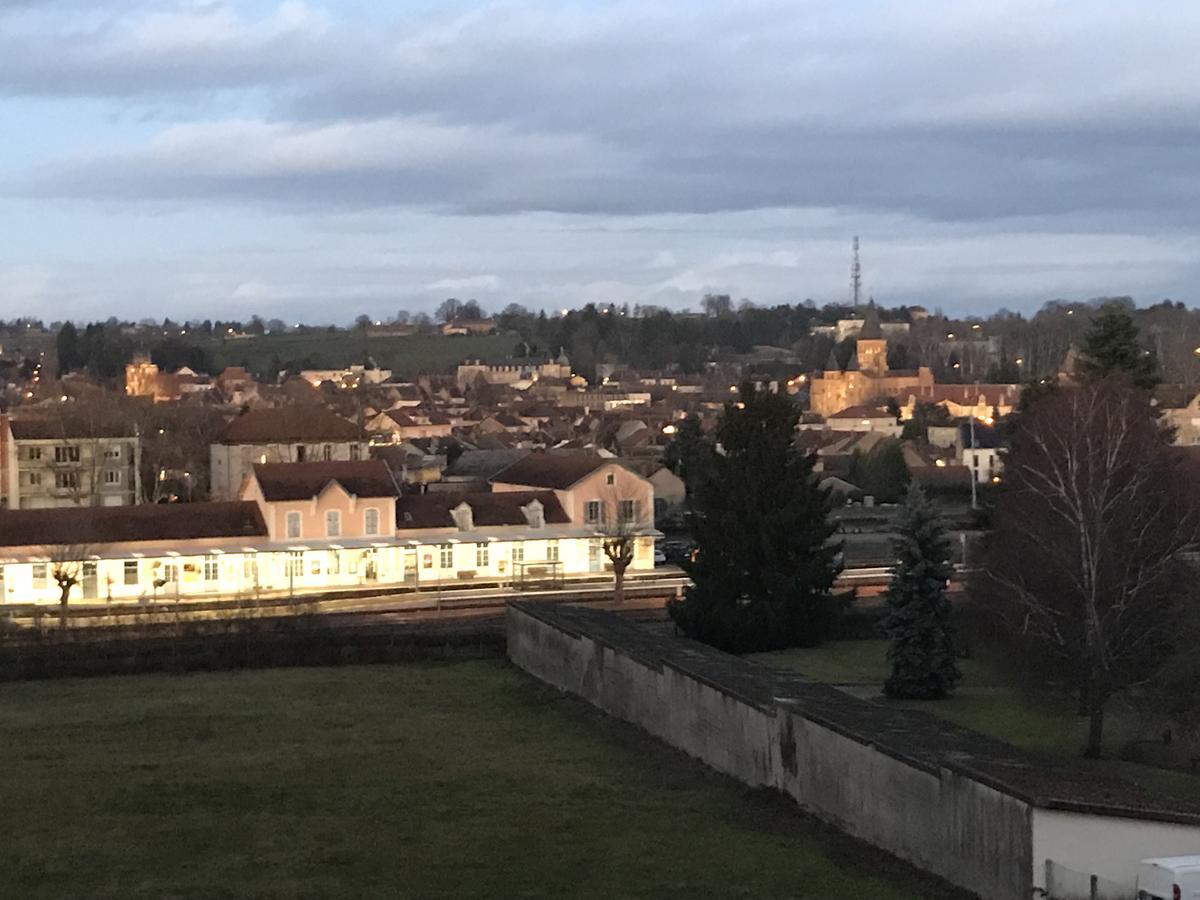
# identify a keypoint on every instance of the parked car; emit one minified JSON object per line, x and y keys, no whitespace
{"x":677,"y":552}
{"x":1169,"y":878}
{"x":660,"y":558}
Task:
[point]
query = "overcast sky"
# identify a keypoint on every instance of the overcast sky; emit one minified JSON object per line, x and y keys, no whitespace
{"x":312,"y":161}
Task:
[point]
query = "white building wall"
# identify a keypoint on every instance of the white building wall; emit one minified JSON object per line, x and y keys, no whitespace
{"x":394,"y":561}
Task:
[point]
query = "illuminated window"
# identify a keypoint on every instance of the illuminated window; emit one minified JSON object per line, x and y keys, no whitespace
{"x":131,"y":571}
{"x":446,"y":556}
{"x":482,"y":556}
{"x":294,"y":564}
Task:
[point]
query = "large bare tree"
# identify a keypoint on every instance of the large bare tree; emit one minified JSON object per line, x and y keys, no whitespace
{"x":1084,"y":566}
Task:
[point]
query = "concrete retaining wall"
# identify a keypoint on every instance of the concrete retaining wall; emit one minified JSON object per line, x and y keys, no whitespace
{"x":950,"y":801}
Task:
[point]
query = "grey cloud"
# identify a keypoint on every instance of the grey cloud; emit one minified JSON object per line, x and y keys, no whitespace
{"x":985,"y":151}
{"x":129,"y":51}
{"x":948,"y":111}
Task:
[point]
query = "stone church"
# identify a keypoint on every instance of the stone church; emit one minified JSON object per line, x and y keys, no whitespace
{"x":867,"y":378}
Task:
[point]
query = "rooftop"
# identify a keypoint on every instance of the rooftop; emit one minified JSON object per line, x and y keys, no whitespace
{"x":862,"y":412}
{"x":300,"y":481}
{"x":487,"y":509}
{"x":71,"y":426}
{"x":289,"y":424}
{"x":483,"y":463}
{"x":550,"y":470}
{"x":97,"y":525}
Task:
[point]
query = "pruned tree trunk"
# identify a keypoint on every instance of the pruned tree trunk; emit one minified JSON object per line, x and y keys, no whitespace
{"x":619,"y":581}
{"x":63,"y":599}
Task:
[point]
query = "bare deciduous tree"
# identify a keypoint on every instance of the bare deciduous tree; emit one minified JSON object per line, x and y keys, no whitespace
{"x":623,"y":519}
{"x":66,"y":566}
{"x":1084,"y":564}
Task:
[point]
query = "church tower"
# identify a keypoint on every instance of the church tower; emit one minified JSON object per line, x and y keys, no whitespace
{"x":872,"y":348}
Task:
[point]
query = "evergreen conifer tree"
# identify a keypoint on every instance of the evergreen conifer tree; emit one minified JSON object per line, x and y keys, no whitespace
{"x":1112,"y":347}
{"x":765,"y":566}
{"x":921,"y":654}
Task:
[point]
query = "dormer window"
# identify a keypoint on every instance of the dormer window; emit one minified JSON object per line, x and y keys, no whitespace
{"x":535,"y":513}
{"x":464,"y":517}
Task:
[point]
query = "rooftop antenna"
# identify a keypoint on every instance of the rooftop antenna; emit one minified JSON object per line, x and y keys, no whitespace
{"x":855,"y":275}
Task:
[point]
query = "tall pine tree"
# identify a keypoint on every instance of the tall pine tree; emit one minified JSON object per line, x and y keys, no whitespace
{"x":921,"y":654}
{"x":1112,"y":347}
{"x":765,"y":565}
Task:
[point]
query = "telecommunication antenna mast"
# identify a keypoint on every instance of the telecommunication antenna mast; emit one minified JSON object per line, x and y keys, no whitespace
{"x":855,"y":275}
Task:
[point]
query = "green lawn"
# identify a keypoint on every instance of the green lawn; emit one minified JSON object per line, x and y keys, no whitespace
{"x":406,"y":356}
{"x":421,"y":780}
{"x":990,"y":700}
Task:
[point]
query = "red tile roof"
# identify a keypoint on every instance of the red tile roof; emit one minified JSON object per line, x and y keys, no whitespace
{"x":290,"y":424}
{"x":300,"y":481}
{"x":554,"y":471}
{"x":432,"y":510}
{"x":99,"y":525}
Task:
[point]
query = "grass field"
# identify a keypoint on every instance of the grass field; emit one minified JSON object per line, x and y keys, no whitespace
{"x":406,"y":356}
{"x":989,"y":699}
{"x":422,"y":780}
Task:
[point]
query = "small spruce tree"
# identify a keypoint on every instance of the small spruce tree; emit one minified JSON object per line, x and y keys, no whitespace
{"x":921,"y":654}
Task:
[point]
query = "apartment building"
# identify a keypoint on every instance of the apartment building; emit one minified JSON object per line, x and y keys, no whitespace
{"x":70,"y":460}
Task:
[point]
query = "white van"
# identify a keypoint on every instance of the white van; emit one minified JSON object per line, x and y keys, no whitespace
{"x":1169,"y":878}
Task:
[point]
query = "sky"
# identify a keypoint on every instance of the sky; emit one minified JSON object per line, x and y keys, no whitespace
{"x":314,"y":161}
